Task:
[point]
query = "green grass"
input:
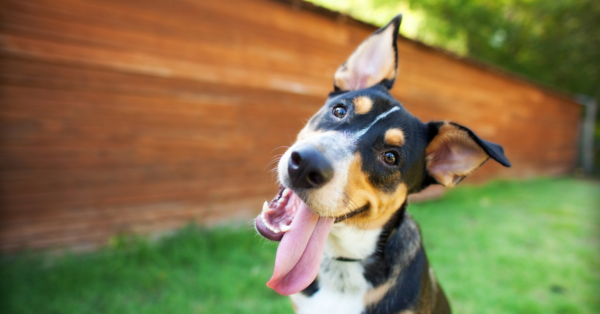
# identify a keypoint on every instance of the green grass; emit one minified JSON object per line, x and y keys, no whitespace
{"x":507,"y":247}
{"x":194,"y":271}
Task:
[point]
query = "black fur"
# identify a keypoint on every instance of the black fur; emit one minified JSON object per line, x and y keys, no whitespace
{"x":404,"y":294}
{"x":311,"y":289}
{"x":377,"y":266}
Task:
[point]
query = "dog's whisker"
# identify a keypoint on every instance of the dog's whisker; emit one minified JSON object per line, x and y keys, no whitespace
{"x":353,"y":207}
{"x":276,"y":157}
{"x":273,"y":173}
{"x":276,"y":148}
{"x":271,"y":164}
{"x":274,"y":160}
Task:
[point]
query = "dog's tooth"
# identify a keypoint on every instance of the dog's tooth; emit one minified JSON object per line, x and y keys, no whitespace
{"x":286,"y":192}
{"x":285,"y":228}
{"x":271,"y":228}
{"x":268,"y":225}
{"x":266,"y":207}
{"x":281,"y":201}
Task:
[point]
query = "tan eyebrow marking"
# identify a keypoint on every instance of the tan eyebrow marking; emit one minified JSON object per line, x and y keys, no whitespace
{"x":362,"y":104}
{"x":394,"y":137}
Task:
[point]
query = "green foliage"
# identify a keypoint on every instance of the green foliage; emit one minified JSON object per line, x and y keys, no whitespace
{"x":507,"y":247}
{"x":554,"y":42}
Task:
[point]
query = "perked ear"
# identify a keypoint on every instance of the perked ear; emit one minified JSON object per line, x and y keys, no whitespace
{"x":455,"y":151}
{"x":374,"y":61}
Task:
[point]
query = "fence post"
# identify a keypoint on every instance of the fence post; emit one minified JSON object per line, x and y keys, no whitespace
{"x":587,"y":138}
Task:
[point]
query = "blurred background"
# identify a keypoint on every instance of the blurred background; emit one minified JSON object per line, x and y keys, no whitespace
{"x":137,"y":139}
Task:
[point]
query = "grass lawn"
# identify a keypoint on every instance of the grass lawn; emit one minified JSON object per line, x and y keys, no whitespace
{"x":507,"y":247}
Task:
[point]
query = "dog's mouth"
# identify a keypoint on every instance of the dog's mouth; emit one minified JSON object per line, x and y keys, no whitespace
{"x":277,"y":215}
{"x":302,"y":234}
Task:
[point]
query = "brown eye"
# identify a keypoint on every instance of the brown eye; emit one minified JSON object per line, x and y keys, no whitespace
{"x":340,"y":111}
{"x":390,"y":158}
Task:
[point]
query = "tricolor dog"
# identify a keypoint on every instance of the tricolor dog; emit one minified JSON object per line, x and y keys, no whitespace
{"x":347,"y":243}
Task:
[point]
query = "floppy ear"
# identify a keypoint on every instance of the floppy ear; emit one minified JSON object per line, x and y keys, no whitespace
{"x":374,"y":61}
{"x":455,"y":151}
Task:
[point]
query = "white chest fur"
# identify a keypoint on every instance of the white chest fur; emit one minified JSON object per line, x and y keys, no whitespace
{"x":342,"y":285}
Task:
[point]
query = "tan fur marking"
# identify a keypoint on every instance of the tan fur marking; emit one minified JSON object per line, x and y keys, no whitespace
{"x":394,"y":137}
{"x":382,"y":205}
{"x":362,"y":104}
{"x":434,"y":286}
{"x":376,"y":294}
{"x":450,"y":134}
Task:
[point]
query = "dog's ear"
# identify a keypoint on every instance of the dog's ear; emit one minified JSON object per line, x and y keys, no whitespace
{"x":454,"y":152}
{"x":374,"y":61}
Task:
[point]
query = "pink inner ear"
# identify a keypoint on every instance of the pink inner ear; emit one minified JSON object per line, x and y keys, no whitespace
{"x":372,"y":62}
{"x":452,"y":156}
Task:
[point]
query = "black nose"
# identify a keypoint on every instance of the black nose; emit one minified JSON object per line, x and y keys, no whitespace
{"x":308,"y":168}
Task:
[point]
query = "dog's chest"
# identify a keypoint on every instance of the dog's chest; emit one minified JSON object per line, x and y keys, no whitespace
{"x":341,"y":284}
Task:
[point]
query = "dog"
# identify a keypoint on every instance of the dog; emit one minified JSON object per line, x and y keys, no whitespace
{"x":347,"y":243}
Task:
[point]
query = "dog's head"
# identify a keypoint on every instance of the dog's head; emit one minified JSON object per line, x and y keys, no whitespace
{"x":358,"y":159}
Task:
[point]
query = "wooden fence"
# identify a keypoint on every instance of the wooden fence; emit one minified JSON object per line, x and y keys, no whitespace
{"x":142,"y":115}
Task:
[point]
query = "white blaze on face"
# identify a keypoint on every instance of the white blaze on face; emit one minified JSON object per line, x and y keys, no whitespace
{"x":337,"y":147}
{"x":362,"y":132}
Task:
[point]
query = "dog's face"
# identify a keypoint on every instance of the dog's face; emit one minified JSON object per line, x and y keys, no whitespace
{"x":358,"y":159}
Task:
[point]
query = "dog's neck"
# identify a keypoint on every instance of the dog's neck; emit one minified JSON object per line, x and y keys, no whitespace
{"x":350,"y":243}
{"x":354,"y":259}
{"x":365,"y":261}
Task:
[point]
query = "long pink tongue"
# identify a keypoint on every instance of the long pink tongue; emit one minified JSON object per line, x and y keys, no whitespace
{"x":300,"y":251}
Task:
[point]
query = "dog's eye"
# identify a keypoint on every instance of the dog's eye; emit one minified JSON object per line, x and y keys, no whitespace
{"x":390,"y":158}
{"x":340,"y":111}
